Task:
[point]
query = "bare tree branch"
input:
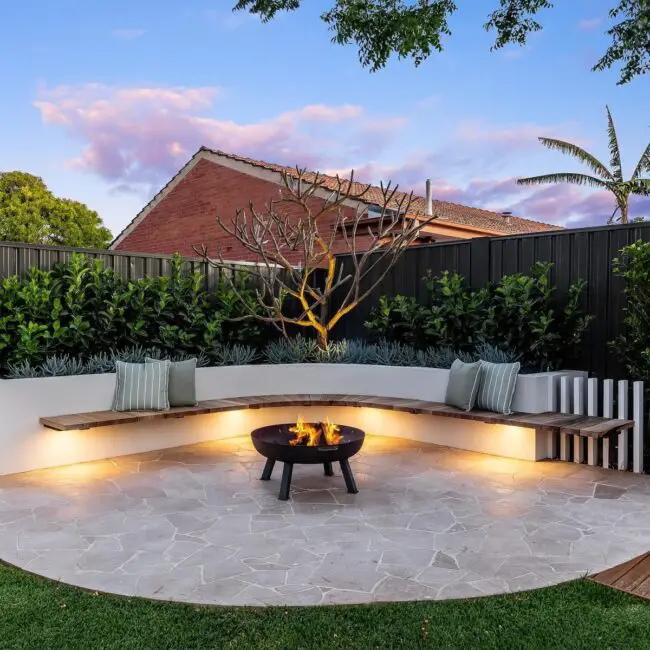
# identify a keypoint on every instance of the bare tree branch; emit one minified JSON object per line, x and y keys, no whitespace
{"x":300,"y":235}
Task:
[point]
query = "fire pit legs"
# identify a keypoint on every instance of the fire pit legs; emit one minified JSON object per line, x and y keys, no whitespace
{"x":268,"y":470}
{"x":285,"y":486}
{"x":328,"y":469}
{"x":348,"y":476}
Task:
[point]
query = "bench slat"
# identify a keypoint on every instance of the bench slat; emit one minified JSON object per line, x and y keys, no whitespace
{"x":570,"y":424}
{"x":595,"y":427}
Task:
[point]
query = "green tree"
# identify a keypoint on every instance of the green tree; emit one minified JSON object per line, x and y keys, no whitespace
{"x":31,"y":214}
{"x":610,"y":179}
{"x":414,"y":28}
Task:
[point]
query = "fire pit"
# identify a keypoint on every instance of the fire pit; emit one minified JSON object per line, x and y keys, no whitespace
{"x":308,"y":443}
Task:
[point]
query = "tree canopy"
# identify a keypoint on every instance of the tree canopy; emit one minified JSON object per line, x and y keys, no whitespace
{"x":31,"y":214}
{"x":414,"y":28}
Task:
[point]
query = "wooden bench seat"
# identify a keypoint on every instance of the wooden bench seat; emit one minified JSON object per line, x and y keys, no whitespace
{"x":593,"y":427}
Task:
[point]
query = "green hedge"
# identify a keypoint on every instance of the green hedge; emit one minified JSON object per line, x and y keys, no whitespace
{"x":520,"y":314}
{"x":82,"y":309}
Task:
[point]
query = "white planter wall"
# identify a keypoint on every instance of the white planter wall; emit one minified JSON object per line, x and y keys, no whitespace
{"x":26,"y":445}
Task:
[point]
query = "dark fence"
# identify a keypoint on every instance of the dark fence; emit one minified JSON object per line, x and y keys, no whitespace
{"x":586,"y":253}
{"x":17,"y":259}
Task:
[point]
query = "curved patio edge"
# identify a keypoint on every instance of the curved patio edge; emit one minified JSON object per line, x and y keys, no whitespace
{"x":194,"y":524}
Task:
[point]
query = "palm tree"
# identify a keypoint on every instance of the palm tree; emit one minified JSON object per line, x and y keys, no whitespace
{"x":610,"y":179}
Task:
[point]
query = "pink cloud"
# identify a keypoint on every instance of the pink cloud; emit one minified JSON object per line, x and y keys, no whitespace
{"x":142,"y":135}
{"x":323,"y":113}
{"x":515,"y":137}
{"x":138,"y":137}
{"x":561,"y":204}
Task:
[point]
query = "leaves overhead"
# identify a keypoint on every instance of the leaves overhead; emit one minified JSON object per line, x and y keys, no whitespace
{"x":31,"y":214}
{"x":414,"y":28}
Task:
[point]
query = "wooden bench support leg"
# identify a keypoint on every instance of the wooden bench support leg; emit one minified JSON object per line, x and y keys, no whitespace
{"x":328,"y":469}
{"x":285,"y":486}
{"x":551,"y":443}
{"x":565,"y":441}
{"x":592,"y":451}
{"x":350,"y":483}
{"x":607,"y":446}
{"x":578,"y":449}
{"x":268,"y":470}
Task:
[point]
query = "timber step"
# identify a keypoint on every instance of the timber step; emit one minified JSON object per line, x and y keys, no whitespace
{"x":569,"y":424}
{"x":633,"y":577}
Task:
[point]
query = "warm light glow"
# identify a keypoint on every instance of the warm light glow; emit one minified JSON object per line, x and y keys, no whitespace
{"x":311,"y":435}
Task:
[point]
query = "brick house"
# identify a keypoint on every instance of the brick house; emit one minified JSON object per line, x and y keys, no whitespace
{"x":183,"y":214}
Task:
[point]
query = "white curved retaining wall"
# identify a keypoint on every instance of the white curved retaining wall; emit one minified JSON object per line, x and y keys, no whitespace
{"x":26,"y":445}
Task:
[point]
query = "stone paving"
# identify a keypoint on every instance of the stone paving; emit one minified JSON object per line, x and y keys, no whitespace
{"x":196,"y":524}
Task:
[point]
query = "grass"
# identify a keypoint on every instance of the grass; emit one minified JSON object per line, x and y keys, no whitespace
{"x":39,"y":613}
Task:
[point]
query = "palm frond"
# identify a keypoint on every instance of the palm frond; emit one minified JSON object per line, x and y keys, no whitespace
{"x":564,"y":177}
{"x":614,"y":151}
{"x":641,"y":187}
{"x":578,"y":152}
{"x":643,"y":164}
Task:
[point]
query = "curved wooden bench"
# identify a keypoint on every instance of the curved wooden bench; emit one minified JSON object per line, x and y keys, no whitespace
{"x":593,"y":427}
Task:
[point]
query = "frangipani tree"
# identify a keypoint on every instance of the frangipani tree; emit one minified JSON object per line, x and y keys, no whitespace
{"x":609,"y":178}
{"x":297,"y":239}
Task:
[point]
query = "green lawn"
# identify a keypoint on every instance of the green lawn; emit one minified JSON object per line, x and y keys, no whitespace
{"x":37,"y":613}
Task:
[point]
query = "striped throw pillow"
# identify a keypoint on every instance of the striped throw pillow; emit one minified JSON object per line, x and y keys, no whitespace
{"x":141,"y":386}
{"x":497,"y":388}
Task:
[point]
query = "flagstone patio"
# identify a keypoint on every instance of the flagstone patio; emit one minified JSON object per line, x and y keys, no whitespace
{"x":196,"y":524}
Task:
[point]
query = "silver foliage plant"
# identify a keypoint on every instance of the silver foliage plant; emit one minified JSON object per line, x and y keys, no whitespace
{"x":297,"y":350}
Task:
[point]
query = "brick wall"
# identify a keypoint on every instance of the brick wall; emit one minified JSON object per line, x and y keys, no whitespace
{"x":186,"y":217}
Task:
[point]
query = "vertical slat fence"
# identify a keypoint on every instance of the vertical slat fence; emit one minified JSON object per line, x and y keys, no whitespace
{"x":582,"y":397}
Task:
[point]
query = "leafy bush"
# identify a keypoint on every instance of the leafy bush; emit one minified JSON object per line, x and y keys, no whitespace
{"x":633,"y":344}
{"x":520,"y":314}
{"x":83,"y":309}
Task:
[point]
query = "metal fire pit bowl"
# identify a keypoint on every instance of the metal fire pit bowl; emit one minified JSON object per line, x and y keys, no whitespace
{"x":273,"y":443}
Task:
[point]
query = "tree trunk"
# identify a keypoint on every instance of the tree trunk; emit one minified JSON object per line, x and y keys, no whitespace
{"x":624,"y":211}
{"x":322,"y":338}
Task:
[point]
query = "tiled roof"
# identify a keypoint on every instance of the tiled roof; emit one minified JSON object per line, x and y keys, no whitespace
{"x":449,"y":212}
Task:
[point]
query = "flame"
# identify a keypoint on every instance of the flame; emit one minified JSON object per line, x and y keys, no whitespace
{"x":310,"y":435}
{"x":305,"y":434}
{"x":331,"y":432}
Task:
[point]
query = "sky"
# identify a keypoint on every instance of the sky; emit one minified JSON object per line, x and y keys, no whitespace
{"x":106,"y":101}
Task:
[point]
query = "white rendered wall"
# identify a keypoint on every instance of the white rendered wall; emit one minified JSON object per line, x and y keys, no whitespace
{"x":26,"y":445}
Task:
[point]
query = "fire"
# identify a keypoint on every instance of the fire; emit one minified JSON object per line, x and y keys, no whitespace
{"x":310,"y":435}
{"x":331,"y":432}
{"x":306,"y":434}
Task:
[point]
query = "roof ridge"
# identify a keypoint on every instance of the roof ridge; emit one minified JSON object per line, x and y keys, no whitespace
{"x":486,"y":221}
{"x":268,"y":165}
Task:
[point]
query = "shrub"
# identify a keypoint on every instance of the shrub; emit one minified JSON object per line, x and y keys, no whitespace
{"x":633,"y":344}
{"x":294,"y":350}
{"x":520,"y":315}
{"x":83,"y":309}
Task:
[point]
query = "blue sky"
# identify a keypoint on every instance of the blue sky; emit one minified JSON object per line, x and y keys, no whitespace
{"x":107,"y":102}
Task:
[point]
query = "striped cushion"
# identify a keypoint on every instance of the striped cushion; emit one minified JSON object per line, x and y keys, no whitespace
{"x":141,"y":386}
{"x":498,"y":382}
